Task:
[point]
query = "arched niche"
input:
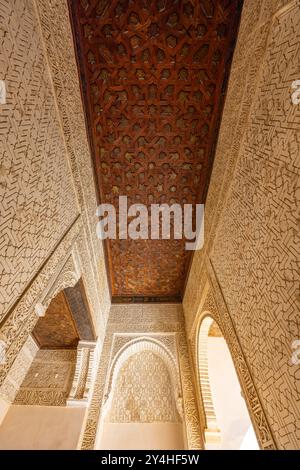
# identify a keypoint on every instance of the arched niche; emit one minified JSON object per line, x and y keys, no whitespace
{"x":142,"y":404}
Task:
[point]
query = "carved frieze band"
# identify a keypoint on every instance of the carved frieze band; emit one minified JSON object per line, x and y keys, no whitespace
{"x":49,"y":379}
{"x":212,"y":432}
{"x":18,"y":371}
{"x":192,"y":421}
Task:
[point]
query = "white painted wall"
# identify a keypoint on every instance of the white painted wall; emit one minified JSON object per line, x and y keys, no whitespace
{"x":41,"y":427}
{"x":230,"y":408}
{"x":164,"y":436}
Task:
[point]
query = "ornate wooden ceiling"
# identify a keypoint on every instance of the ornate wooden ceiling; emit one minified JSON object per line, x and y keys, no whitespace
{"x":57,"y":330}
{"x":67,"y":320}
{"x":154,"y":76}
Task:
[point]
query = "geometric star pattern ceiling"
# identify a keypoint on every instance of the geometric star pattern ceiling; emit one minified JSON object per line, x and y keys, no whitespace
{"x":153,"y":76}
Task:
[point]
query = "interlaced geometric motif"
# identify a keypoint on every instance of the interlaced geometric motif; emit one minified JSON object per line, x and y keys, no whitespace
{"x":154,"y":77}
{"x":143,"y":391}
{"x":34,"y":214}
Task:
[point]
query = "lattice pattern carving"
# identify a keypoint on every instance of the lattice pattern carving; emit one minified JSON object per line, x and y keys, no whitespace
{"x":143,"y":392}
{"x":38,"y":203}
{"x":213,"y":305}
{"x":154,"y":343}
{"x":264,"y":197}
{"x":155,"y":73}
{"x":168,"y":340}
{"x":49,"y":379}
{"x":58,"y":40}
{"x":251,"y":221}
{"x":145,"y":320}
{"x":18,"y":371}
{"x":36,"y":190}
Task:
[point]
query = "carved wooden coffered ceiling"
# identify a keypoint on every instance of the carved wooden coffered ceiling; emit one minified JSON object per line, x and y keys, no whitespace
{"x":153,"y":76}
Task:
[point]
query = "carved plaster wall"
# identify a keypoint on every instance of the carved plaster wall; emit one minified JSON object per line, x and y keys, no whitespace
{"x":163,"y":347}
{"x":55,"y":377}
{"x":18,"y":371}
{"x":49,"y":379}
{"x":58,"y":40}
{"x":36,"y":194}
{"x":143,"y":391}
{"x":47,"y":197}
{"x":213,"y":305}
{"x":19,"y":324}
{"x":133,"y":329}
{"x":251,"y":223}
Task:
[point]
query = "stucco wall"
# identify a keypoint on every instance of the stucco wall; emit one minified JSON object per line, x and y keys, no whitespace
{"x":37,"y":195}
{"x":251,"y":222}
{"x":47,"y":196}
{"x":142,"y":436}
{"x":41,"y":427}
{"x":136,"y":327}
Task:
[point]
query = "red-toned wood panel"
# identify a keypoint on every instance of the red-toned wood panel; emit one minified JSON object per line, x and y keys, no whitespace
{"x":57,"y":330}
{"x":154,"y":74}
